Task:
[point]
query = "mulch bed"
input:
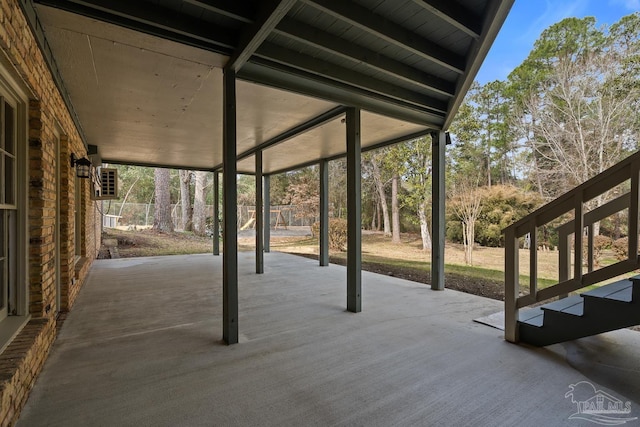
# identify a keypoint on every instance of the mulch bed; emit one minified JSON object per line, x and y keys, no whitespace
{"x":482,"y":287}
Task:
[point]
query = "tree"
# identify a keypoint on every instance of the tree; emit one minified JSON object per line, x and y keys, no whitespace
{"x":372,"y":166}
{"x":482,"y":131}
{"x":415,"y":160}
{"x":162,"y":213}
{"x":304,"y":193}
{"x":185,"y":199}
{"x":337,"y":188}
{"x":466,"y":201}
{"x":577,"y":96}
{"x":200,"y":202}
{"x":395,"y":209}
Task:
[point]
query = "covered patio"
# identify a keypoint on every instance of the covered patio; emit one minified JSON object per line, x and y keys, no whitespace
{"x":143,"y":346}
{"x":264,"y":88}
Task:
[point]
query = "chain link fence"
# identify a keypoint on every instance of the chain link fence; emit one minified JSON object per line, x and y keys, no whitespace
{"x":141,"y":215}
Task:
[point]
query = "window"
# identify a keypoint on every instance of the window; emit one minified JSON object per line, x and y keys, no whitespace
{"x":8,"y":207}
{"x":14,"y":290}
{"x":78,"y":217}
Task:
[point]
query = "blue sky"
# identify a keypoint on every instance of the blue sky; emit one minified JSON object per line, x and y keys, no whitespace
{"x":527,"y":20}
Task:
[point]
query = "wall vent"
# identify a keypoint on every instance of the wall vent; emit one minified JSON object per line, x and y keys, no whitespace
{"x":105,"y":185}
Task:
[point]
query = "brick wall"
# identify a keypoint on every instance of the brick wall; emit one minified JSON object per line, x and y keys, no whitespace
{"x":52,"y":138}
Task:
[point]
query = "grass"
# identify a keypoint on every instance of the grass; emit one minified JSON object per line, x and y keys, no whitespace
{"x":154,"y":243}
{"x":379,"y":254}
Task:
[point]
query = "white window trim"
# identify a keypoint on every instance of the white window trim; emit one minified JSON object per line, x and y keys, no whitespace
{"x":12,"y":88}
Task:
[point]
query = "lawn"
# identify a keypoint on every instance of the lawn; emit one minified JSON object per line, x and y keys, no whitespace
{"x":405,"y":260}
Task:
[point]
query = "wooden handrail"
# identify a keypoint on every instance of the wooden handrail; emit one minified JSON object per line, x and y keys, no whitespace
{"x":572,"y":201}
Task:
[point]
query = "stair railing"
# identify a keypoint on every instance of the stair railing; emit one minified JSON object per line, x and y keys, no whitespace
{"x":571,"y":202}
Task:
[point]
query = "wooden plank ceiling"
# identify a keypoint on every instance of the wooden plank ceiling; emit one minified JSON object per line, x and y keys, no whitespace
{"x":144,"y":77}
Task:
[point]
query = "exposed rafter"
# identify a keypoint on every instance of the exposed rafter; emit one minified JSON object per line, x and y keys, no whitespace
{"x":333,"y":44}
{"x":155,"y":20}
{"x":392,"y":141}
{"x":385,"y":29}
{"x":455,"y":14}
{"x":264,"y":71}
{"x":270,"y":13}
{"x":366,"y":54}
{"x":349,"y":77}
{"x":229,"y":8}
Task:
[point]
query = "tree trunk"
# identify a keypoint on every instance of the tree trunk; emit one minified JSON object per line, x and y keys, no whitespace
{"x":200,"y":204}
{"x":373,"y":216}
{"x":162,"y":212}
{"x":377,"y":179}
{"x":424,"y":227}
{"x":468,"y":237}
{"x":124,"y":201}
{"x":185,"y":197}
{"x":395,"y":209}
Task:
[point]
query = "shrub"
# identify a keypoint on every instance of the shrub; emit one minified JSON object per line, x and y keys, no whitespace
{"x":621,"y":248}
{"x":337,"y":233}
{"x":600,"y":243}
{"x":502,"y":205}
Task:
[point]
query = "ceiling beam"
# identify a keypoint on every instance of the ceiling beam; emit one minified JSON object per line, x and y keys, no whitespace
{"x":269,"y":14}
{"x":157,"y":21}
{"x":228,"y":8}
{"x":393,"y":141}
{"x":166,"y":165}
{"x":332,"y":44}
{"x":391,"y":32}
{"x":295,"y":131}
{"x":267,"y":72}
{"x":315,"y":66}
{"x":454,"y":14}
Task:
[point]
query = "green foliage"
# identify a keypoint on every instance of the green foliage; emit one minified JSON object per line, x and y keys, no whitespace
{"x":502,"y":205}
{"x":484,"y":140}
{"x":337,"y":233}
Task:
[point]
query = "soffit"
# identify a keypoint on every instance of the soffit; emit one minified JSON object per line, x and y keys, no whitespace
{"x":145,"y":76}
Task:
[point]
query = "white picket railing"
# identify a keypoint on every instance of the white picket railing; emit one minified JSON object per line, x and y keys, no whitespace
{"x":572,"y":231}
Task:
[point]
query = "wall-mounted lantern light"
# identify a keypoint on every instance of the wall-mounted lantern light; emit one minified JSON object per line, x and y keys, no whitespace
{"x":83,"y":166}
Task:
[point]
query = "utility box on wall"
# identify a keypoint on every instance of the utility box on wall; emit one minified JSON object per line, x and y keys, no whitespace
{"x":105,"y":184}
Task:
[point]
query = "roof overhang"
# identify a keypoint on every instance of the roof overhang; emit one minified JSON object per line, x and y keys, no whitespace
{"x":145,"y":79}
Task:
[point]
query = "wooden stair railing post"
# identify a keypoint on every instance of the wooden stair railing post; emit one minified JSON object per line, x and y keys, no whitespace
{"x":533,"y":260}
{"x":512,"y":285}
{"x":633,"y":213}
{"x":578,"y":232}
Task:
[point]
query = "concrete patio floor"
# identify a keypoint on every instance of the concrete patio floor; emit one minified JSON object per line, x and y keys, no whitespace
{"x":142,"y":347}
